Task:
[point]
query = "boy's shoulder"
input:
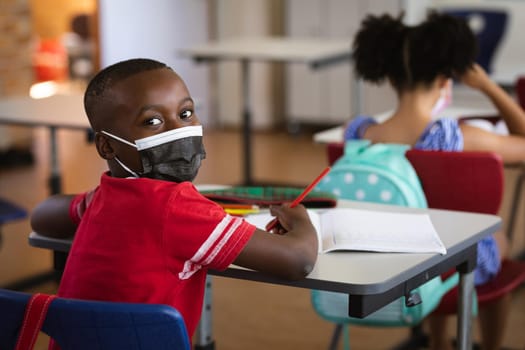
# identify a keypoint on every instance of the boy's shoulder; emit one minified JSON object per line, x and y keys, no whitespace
{"x":147,"y":185}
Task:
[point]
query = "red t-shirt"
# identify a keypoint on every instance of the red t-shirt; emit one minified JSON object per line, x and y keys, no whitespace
{"x":150,"y":241}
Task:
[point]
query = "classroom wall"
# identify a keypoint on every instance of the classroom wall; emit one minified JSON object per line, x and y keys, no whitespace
{"x":234,"y":18}
{"x":16,"y":72}
{"x":157,"y":29}
{"x":218,"y":86}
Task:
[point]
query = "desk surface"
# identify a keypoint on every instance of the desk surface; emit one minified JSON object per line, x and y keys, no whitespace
{"x":335,"y":134}
{"x":305,"y":50}
{"x":65,"y":111}
{"x":371,"y":273}
{"x":365,"y":273}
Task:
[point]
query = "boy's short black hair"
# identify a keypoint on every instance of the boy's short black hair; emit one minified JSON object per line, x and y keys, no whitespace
{"x":98,"y":86}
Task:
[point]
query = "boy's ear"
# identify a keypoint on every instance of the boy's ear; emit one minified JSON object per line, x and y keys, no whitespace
{"x":104,"y":148}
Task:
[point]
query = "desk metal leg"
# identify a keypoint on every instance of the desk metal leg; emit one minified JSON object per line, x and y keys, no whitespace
{"x":466,"y":293}
{"x":203,"y":335}
{"x":466,"y":290}
{"x":55,"y":182}
{"x":247,"y":124}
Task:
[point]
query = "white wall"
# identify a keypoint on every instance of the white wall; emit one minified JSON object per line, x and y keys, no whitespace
{"x":236,"y":18}
{"x":157,"y":29}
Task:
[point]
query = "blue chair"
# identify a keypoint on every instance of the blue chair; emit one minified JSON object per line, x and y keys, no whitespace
{"x":9,"y":212}
{"x":489,"y":25}
{"x":96,"y":325}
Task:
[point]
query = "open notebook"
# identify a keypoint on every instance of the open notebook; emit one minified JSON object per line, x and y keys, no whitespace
{"x":366,"y":230}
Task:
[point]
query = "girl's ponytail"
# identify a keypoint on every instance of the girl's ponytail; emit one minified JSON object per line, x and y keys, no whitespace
{"x":377,"y":48}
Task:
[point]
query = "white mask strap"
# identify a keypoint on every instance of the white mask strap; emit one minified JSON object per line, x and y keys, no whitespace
{"x":126,"y":168}
{"x":118,"y":138}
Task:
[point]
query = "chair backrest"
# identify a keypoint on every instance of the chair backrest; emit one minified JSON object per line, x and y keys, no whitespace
{"x":465,"y":181}
{"x":97,"y":325}
{"x":489,"y":25}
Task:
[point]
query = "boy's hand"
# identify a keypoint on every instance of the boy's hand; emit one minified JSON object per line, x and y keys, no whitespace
{"x":290,"y":255}
{"x":289,"y":218}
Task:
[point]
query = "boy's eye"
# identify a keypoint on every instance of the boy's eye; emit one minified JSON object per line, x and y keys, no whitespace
{"x":153,"y":121}
{"x":186,"y":114}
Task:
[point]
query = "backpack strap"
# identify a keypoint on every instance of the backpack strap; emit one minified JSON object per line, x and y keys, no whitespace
{"x":353,"y":148}
{"x":374,"y":152}
{"x":34,"y":317}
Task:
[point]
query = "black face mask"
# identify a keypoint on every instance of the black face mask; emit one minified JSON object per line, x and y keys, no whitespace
{"x":176,"y":161}
{"x":173,"y":155}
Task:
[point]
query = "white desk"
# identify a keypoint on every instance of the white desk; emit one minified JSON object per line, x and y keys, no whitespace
{"x":508,"y":75}
{"x":314,"y":52}
{"x":336,"y":134}
{"x":57,"y":111}
{"x":372,"y":280}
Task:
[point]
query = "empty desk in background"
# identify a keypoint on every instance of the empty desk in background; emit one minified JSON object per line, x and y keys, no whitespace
{"x":373,"y":280}
{"x":315,"y":52}
{"x":55,"y":112}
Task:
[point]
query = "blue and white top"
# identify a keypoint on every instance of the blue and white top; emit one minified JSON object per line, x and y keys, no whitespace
{"x":441,"y":135}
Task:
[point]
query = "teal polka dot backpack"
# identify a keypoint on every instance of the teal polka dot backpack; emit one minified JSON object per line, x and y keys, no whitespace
{"x":378,"y":173}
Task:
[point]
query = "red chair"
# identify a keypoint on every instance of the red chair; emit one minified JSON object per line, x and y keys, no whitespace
{"x":464,"y":181}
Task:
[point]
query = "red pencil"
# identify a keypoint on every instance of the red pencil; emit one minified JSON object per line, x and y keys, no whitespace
{"x":271,"y":225}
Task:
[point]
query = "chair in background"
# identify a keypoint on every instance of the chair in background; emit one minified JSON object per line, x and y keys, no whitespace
{"x":489,"y":25}
{"x":96,"y":325}
{"x":476,"y":186}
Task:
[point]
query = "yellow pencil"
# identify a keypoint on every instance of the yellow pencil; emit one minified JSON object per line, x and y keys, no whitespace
{"x":238,"y":206}
{"x":241,"y":212}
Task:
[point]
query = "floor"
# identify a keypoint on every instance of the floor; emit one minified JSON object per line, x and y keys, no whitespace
{"x":247,"y":315}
